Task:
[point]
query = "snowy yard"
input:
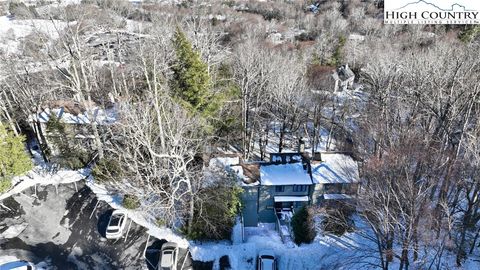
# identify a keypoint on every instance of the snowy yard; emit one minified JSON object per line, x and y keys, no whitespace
{"x":326,"y":252}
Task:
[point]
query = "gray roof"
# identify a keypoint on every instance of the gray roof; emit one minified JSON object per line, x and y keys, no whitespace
{"x":343,"y":73}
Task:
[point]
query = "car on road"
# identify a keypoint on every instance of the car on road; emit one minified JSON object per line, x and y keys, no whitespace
{"x":116,"y":225}
{"x":266,"y":260}
{"x":17,"y":265}
{"x":169,"y":256}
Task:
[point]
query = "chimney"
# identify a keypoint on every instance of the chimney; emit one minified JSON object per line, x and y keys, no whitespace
{"x":301,"y":145}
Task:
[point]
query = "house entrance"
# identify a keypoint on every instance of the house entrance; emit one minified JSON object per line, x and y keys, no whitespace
{"x":279,"y":206}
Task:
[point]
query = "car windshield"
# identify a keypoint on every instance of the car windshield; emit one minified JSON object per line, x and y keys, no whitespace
{"x":267,"y":263}
{"x":116,"y":220}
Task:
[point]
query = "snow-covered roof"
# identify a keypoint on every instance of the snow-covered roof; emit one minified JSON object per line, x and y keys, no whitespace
{"x":336,"y":197}
{"x":290,"y":198}
{"x":101,"y":116}
{"x":335,"y":168}
{"x":244,"y":171}
{"x":284,"y":174}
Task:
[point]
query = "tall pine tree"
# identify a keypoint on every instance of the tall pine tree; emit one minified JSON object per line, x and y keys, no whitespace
{"x":191,"y":82}
{"x":13,"y":158}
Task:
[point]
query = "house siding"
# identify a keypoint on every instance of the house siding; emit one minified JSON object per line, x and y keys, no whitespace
{"x":266,"y":201}
{"x":337,"y":188}
{"x":250,"y":206}
{"x":265,"y":207}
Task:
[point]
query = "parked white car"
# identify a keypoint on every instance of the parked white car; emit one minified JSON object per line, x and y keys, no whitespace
{"x":266,"y":260}
{"x":17,"y":265}
{"x":116,"y":225}
{"x":169,"y":256}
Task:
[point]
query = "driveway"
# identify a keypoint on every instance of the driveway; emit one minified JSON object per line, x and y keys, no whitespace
{"x":56,"y":231}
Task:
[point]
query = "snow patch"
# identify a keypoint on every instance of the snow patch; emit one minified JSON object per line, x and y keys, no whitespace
{"x":14,"y":230}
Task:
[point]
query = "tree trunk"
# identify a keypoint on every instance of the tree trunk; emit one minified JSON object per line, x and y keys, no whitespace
{"x":282,"y":136}
{"x":43,"y":144}
{"x":404,"y":262}
{"x":472,"y":247}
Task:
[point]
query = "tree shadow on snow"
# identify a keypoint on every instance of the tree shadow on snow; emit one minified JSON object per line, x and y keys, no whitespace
{"x":152,"y":255}
{"x":103,"y":222}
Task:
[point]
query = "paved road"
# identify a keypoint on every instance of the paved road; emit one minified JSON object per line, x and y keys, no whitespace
{"x":58,"y":232}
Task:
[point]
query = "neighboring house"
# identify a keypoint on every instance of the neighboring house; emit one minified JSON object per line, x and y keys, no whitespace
{"x":343,"y":77}
{"x":76,"y":117}
{"x":335,"y":177}
{"x":274,"y":190}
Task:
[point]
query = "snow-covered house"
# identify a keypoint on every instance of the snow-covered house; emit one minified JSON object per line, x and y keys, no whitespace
{"x":276,"y":189}
{"x":343,"y":77}
{"x":335,"y":177}
{"x":76,"y":118}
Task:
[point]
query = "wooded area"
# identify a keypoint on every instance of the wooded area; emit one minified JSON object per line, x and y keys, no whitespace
{"x":187,"y":81}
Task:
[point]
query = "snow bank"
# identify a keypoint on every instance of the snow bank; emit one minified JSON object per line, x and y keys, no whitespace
{"x":140,"y":218}
{"x":38,"y":176}
{"x":237,"y":232}
{"x":6,"y":259}
{"x":14,"y":231}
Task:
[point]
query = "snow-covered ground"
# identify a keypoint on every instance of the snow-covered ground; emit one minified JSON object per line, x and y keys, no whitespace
{"x":41,"y":176}
{"x":326,"y":251}
{"x":12,"y":31}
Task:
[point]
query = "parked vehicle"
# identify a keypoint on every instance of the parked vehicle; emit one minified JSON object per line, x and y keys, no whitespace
{"x":169,"y":256}
{"x":116,"y":224}
{"x":17,"y":265}
{"x":266,"y":260}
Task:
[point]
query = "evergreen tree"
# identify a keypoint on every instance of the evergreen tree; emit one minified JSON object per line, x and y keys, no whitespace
{"x":13,"y":158}
{"x":303,"y":227}
{"x":191,"y":82}
{"x":217,"y":207}
{"x":63,"y":152}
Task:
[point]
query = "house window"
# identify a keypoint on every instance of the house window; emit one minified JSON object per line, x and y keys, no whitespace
{"x":301,"y":188}
{"x":279,"y":188}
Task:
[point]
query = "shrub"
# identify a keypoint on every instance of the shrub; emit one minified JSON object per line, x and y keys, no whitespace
{"x":337,"y":57}
{"x":469,"y":33}
{"x":161,"y":222}
{"x":73,"y":159}
{"x":216,"y":210}
{"x":62,"y":151}
{"x":107,"y":170}
{"x":131,"y":201}
{"x":5,"y":184}
{"x":303,"y":226}
{"x":338,"y":221}
{"x":13,"y":158}
{"x":21,"y":11}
